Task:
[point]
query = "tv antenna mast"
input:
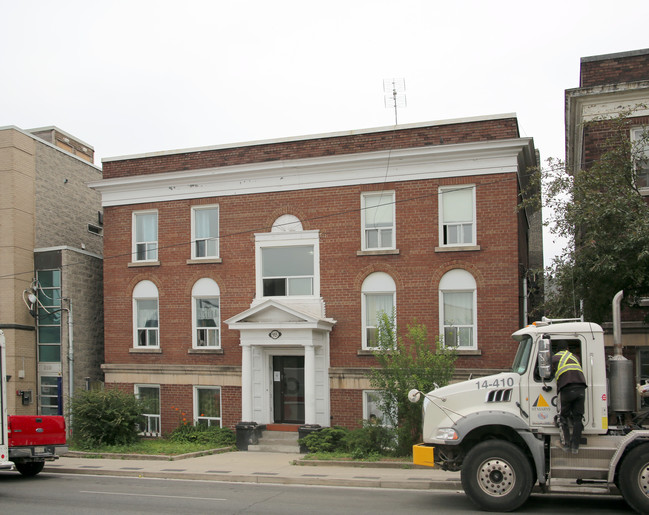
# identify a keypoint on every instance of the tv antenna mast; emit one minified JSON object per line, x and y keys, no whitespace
{"x":394,"y":91}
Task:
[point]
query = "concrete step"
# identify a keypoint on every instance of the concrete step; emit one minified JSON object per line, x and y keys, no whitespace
{"x":277,"y":441}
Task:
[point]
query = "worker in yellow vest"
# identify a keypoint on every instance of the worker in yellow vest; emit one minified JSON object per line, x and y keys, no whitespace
{"x":571,"y":385}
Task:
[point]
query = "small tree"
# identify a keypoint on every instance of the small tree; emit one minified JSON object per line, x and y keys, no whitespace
{"x":105,"y":417}
{"x":407,"y":363}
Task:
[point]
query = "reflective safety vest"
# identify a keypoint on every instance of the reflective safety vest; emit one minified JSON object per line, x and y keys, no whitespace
{"x":568,"y":361}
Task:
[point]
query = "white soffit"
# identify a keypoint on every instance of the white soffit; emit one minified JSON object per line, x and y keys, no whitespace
{"x":439,"y":161}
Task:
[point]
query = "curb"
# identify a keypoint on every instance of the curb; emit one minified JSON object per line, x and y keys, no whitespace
{"x":154,"y":457}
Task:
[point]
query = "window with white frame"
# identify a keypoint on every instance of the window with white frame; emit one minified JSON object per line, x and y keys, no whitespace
{"x":371,"y":410}
{"x":639,"y":137}
{"x":377,"y":218}
{"x":378,"y":295}
{"x":457,"y":304}
{"x":145,"y":315}
{"x":207,"y":406}
{"x":457,"y":215}
{"x":145,"y":236}
{"x":206,"y":314}
{"x":149,"y":395}
{"x":205,"y":232}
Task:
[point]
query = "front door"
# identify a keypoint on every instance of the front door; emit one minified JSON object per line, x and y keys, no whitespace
{"x":288,"y":389}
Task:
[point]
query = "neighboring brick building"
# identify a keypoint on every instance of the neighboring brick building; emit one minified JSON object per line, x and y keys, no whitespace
{"x":50,"y":245}
{"x":242,"y":282}
{"x":609,"y":85}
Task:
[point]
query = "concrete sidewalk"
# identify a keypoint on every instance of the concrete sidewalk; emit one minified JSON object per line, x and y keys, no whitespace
{"x":264,"y":467}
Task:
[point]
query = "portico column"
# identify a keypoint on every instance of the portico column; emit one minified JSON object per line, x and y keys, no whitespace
{"x":309,"y":384}
{"x":246,"y":383}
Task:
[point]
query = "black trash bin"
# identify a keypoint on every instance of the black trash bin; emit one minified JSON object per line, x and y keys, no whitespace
{"x":304,"y":431}
{"x":247,"y":434}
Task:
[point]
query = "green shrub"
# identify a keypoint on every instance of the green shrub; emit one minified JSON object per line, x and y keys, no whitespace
{"x":212,"y":435}
{"x":105,"y":417}
{"x":370,"y":441}
{"x":328,"y":439}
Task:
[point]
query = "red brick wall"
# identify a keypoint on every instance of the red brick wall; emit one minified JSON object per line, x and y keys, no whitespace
{"x":615,"y":70}
{"x":346,"y":408}
{"x":597,"y":134}
{"x":326,"y":146}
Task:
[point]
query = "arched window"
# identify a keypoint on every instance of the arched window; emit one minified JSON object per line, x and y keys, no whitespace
{"x":457,"y":309}
{"x":145,"y":315}
{"x":206,"y":314}
{"x":378,"y":296}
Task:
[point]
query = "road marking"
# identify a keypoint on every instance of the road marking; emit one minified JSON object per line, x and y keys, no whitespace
{"x":151,"y":495}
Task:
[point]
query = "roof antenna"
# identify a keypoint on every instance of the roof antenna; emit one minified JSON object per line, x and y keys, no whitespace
{"x":394,"y":91}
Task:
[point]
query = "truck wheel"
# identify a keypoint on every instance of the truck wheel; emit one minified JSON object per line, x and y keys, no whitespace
{"x":497,"y":476}
{"x":30,"y":468}
{"x":634,"y":479}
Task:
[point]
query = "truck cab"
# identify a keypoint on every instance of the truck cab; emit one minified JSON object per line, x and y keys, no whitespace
{"x":500,"y":431}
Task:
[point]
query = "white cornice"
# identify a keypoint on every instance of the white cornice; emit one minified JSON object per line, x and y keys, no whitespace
{"x":435,"y":161}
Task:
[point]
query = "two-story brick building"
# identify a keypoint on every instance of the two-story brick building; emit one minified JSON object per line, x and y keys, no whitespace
{"x":242,"y":282}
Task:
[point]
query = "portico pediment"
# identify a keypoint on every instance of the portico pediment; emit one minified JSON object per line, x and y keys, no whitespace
{"x":272,"y":314}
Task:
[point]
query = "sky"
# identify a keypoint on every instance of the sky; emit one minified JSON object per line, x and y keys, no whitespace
{"x":138,"y":76}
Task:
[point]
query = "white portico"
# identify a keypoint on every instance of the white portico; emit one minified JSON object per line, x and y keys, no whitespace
{"x":284,"y":365}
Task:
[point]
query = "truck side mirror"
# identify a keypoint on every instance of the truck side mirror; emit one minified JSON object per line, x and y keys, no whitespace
{"x":544,"y":358}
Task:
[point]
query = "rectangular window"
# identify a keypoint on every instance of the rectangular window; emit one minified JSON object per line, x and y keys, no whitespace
{"x":457,"y":215}
{"x":287,"y":270}
{"x":149,"y":424}
{"x":371,"y":411}
{"x":639,"y":138}
{"x":207,"y":406}
{"x":377,"y":218}
{"x":145,"y":236}
{"x":207,"y":322}
{"x":50,"y":395}
{"x":205,"y":232}
{"x":376,"y":303}
{"x":147,"y":322}
{"x":458,"y":319}
{"x":49,"y":316}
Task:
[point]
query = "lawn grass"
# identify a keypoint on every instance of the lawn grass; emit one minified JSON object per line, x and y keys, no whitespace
{"x":151,"y":446}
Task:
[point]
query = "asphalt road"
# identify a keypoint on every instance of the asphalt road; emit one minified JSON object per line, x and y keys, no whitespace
{"x":69,"y":494}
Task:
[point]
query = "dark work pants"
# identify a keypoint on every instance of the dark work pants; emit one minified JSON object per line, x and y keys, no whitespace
{"x":572,"y":410}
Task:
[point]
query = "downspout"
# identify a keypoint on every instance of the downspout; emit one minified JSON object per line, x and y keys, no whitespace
{"x":70,"y":357}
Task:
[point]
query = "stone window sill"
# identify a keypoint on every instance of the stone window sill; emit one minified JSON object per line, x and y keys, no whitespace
{"x":206,"y":261}
{"x":205,"y":351}
{"x":383,"y":252}
{"x":137,"y":264}
{"x":466,"y":248}
{"x":145,"y":350}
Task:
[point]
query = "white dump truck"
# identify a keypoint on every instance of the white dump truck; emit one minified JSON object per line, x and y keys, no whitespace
{"x":501,"y":431}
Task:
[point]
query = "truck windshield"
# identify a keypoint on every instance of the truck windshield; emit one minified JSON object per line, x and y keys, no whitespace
{"x":522,"y":355}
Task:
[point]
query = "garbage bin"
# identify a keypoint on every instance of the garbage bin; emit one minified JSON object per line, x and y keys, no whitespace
{"x":247,"y":434}
{"x":304,"y":431}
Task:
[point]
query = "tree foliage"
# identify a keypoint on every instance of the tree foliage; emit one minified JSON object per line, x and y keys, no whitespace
{"x":604,"y":218}
{"x":407,"y":362}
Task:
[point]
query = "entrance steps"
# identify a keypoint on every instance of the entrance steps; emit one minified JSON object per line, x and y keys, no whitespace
{"x":278,"y":438}
{"x":591,"y":463}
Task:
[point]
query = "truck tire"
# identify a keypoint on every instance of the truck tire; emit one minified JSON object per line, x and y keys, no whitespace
{"x":30,"y":468}
{"x":497,"y":476}
{"x":634,"y":478}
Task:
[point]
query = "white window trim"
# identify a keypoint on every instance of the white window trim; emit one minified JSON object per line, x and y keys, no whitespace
{"x":440,"y":210}
{"x":193,"y":229}
{"x":205,"y":288}
{"x":375,"y":284}
{"x":390,"y":197}
{"x":197,"y":416}
{"x":288,"y":239}
{"x":463,"y":289}
{"x":366,"y":393}
{"x":636,"y":133}
{"x":136,"y":390}
{"x":134,"y":241}
{"x":147,"y":291}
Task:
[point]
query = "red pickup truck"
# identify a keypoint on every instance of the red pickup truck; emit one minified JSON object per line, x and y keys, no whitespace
{"x":33,"y":440}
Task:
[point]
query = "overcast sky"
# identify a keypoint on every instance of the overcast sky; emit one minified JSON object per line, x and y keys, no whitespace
{"x":137,"y":76}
